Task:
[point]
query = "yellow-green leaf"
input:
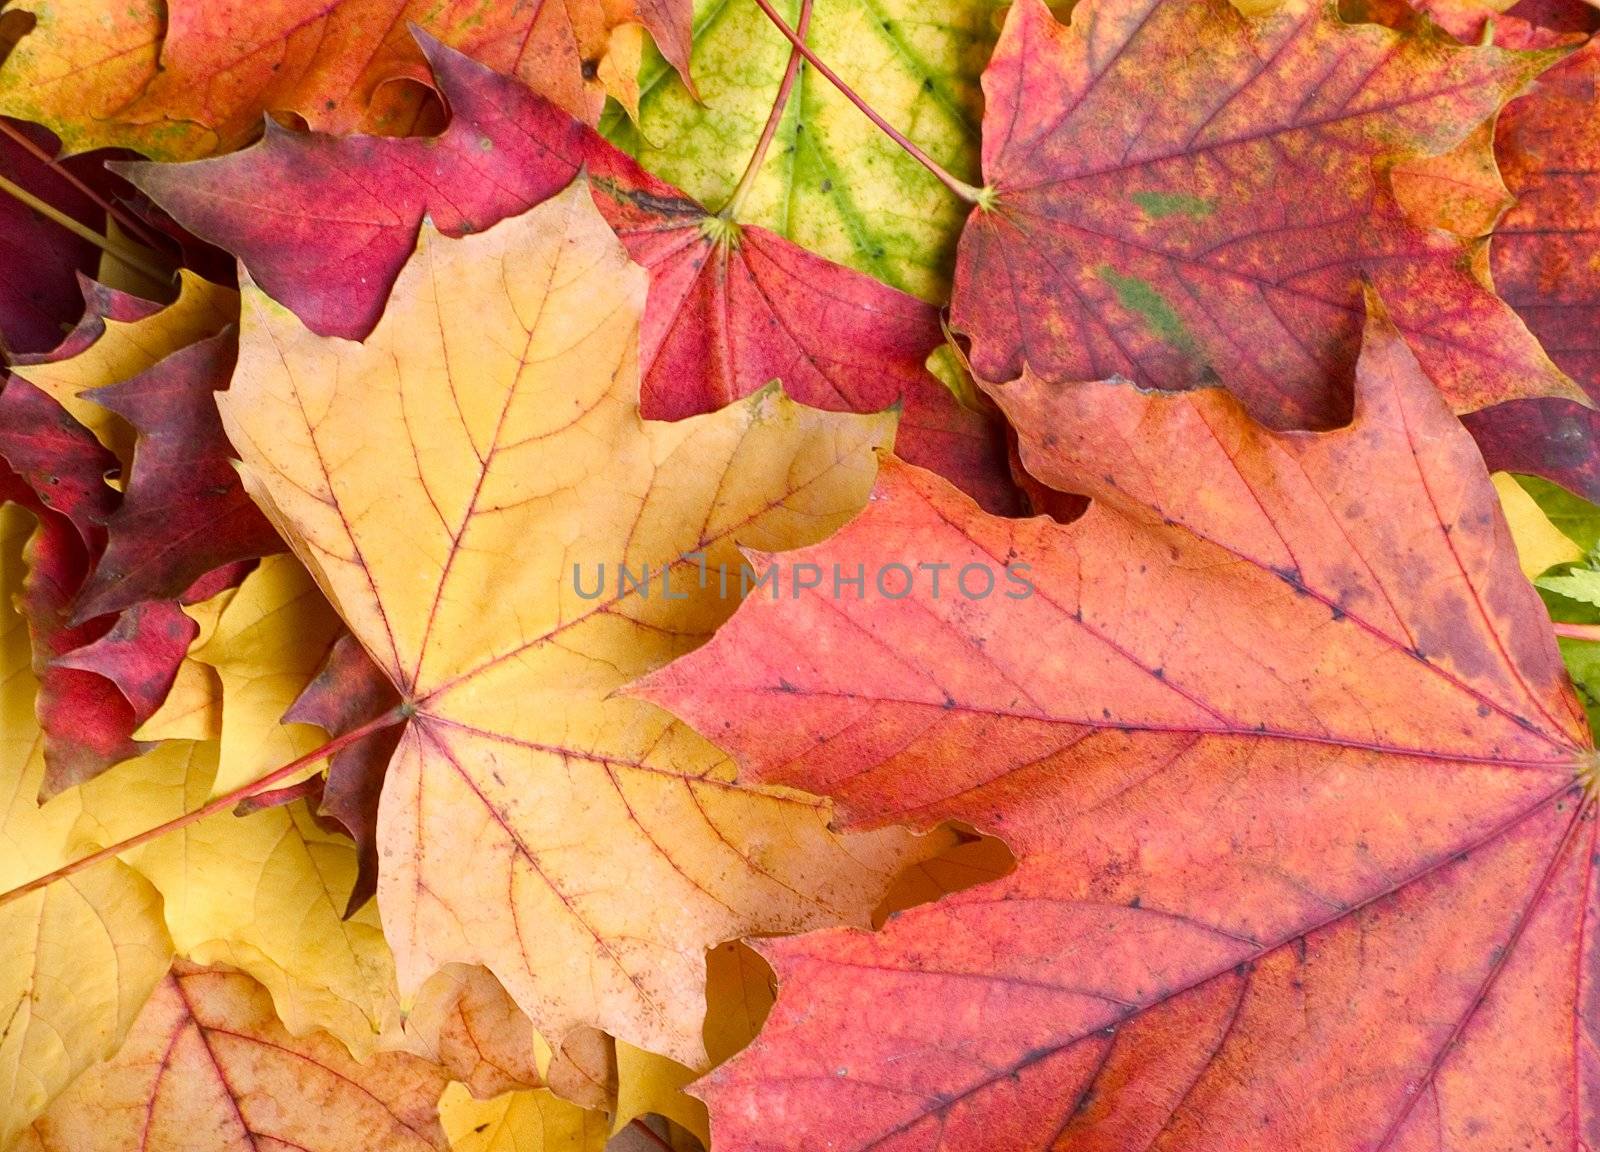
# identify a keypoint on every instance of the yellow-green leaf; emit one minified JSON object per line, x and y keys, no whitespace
{"x":832,"y":182}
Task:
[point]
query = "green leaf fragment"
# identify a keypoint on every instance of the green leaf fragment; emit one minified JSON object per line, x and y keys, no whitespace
{"x":1581,"y":584}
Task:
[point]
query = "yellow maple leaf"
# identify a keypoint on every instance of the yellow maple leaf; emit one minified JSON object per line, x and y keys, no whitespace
{"x":442,"y":480}
{"x":81,"y":955}
{"x":651,"y":1084}
{"x":464,"y":1021}
{"x":523,"y":1121}
{"x":264,"y":893}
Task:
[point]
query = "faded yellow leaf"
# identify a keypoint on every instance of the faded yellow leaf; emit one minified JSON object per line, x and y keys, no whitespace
{"x":465,"y":1022}
{"x":526,"y":1121}
{"x":127,"y":348}
{"x":81,"y":956}
{"x":264,"y":893}
{"x":1540,"y":544}
{"x":208,"y":1068}
{"x":584,"y":1070}
{"x":268,"y":643}
{"x":442,"y":480}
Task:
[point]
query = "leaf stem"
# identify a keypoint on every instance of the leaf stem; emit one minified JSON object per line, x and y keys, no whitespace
{"x":127,"y":255}
{"x":131,"y":223}
{"x":730,"y":210}
{"x":960,"y":188}
{"x":276,"y":797}
{"x":1578,"y":631}
{"x":210,"y":808}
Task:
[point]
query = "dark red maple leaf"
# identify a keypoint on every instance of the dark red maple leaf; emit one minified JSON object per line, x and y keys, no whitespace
{"x":184,"y":512}
{"x":100,"y":674}
{"x":62,"y":464}
{"x":99,"y":304}
{"x":324,"y":225}
{"x":1556,"y":439}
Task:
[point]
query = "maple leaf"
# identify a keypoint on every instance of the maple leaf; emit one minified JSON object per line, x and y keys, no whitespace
{"x":81,"y":955}
{"x":1289,"y":760}
{"x":192,"y":709}
{"x":833,"y":184}
{"x":730,"y":307}
{"x":141,"y":651}
{"x":100,"y":303}
{"x":208,"y":1065}
{"x":268,"y":643}
{"x":465,"y":1022}
{"x":516,"y":350}
{"x":739,"y":988}
{"x":53,"y":463}
{"x":1460,"y":191}
{"x":584,"y":1070}
{"x":1576,"y":518}
{"x":650,"y":1084}
{"x":1540,"y":544}
{"x":1556,"y":439}
{"x":184,"y":79}
{"x":183,"y":513}
{"x":1223,"y":232}
{"x":264,"y":892}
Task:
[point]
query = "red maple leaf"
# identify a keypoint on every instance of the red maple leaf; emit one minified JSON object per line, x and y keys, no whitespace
{"x":1221,"y":232}
{"x":1300,"y":792}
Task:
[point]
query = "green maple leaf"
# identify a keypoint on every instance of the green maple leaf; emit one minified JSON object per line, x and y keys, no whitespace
{"x":831,"y":181}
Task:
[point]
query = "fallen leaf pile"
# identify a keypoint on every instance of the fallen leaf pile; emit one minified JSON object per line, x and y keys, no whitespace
{"x":757,"y":575}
